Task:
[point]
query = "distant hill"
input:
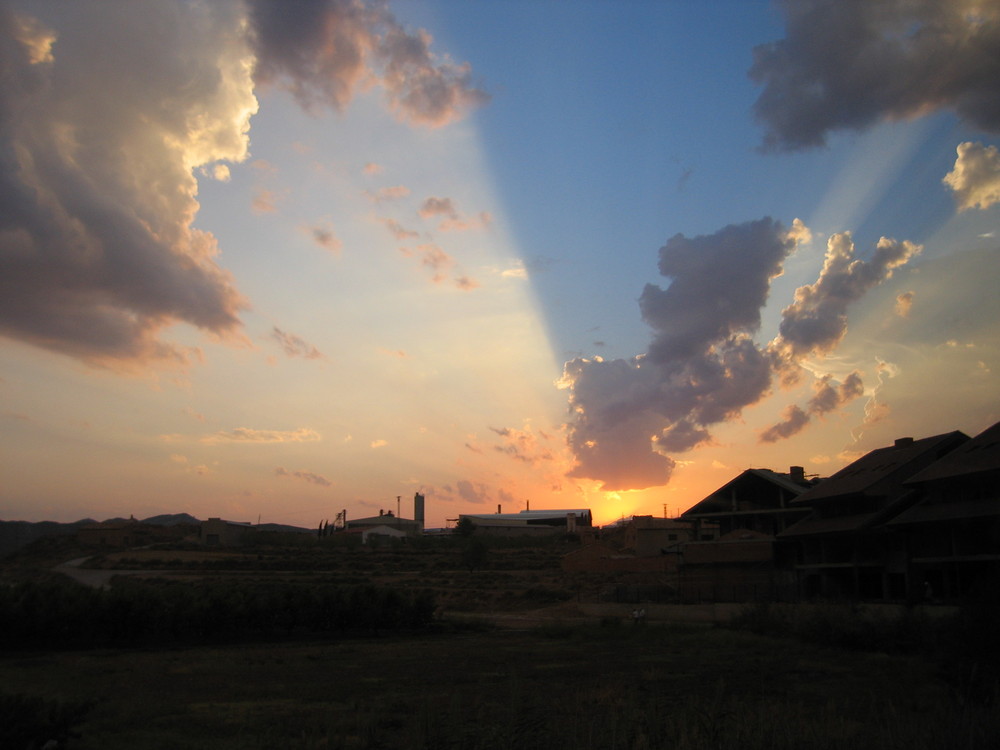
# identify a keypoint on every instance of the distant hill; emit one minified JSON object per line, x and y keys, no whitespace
{"x":171,"y":519}
{"x":17,"y":534}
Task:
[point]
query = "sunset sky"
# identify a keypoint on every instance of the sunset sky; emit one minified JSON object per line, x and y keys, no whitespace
{"x":279,"y":259}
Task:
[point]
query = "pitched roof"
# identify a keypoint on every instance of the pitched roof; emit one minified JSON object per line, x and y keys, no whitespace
{"x":978,"y":455}
{"x":715,"y":503}
{"x":883,"y":468}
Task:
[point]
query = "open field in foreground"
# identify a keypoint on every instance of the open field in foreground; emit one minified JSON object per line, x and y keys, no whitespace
{"x":598,"y":686}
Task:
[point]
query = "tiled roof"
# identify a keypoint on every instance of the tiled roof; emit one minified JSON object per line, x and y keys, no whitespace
{"x":981,"y":454}
{"x":870,"y":473}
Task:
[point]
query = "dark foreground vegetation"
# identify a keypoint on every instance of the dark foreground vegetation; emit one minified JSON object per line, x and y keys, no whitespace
{"x":58,"y":613}
{"x":343,"y":648}
{"x":604,"y":686}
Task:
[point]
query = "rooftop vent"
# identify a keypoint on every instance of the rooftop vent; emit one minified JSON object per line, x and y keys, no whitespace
{"x":900,"y":442}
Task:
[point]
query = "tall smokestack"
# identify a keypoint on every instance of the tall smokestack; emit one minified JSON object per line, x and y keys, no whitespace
{"x":498,"y":509}
{"x":418,"y":509}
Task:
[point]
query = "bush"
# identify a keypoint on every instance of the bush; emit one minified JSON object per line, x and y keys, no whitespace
{"x":64,"y":614}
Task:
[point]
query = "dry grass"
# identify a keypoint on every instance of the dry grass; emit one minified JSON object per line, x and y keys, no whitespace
{"x":557,"y":687}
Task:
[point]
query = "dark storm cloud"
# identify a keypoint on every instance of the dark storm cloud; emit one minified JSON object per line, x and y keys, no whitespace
{"x":702,"y":366}
{"x":324,"y":51}
{"x":97,"y":252}
{"x":847,"y":64}
{"x":718,"y":285}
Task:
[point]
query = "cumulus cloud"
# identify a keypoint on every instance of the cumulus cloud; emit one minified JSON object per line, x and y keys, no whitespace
{"x":325,"y":238}
{"x":325,"y":51}
{"x":398,"y":231}
{"x":264,"y":201}
{"x":817,"y":320}
{"x":451,"y":219}
{"x":702,"y":366}
{"x":295,"y":346}
{"x":826,"y":399}
{"x":472,"y":492}
{"x":100,"y":154}
{"x":523,"y":445}
{"x":440,"y":265}
{"x":904,"y":303}
{"x":976,"y":176}
{"x":793,"y":419}
{"x":394,"y":193}
{"x":97,"y":176}
{"x":516,"y":271}
{"x":482,"y":220}
{"x":305,"y":476}
{"x":848,"y":64}
{"x":436,"y":259}
{"x":438,"y":207}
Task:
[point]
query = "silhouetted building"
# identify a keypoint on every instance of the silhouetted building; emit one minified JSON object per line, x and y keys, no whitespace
{"x":131,"y":533}
{"x":757,"y":499}
{"x":386,"y":519}
{"x":217,"y":532}
{"x":648,"y":536}
{"x":952,"y":532}
{"x":117,"y":534}
{"x":531,"y":522}
{"x":845,"y":546}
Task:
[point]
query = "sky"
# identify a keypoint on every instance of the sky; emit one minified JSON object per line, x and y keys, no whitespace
{"x":274,"y":260}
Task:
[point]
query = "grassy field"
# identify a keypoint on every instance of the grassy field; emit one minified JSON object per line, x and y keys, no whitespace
{"x":603,"y":686}
{"x":770,"y":683}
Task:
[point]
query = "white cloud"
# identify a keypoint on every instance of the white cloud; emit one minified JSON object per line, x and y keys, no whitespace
{"x":976,"y":176}
{"x":97,"y":185}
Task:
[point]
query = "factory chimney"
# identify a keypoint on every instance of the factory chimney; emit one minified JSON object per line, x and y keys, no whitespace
{"x":418,"y":509}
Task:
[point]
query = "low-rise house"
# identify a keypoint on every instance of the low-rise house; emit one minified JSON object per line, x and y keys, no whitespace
{"x":845,"y":546}
{"x":529,"y":522}
{"x":598,"y":557}
{"x":217,"y":532}
{"x":733,"y":555}
{"x":116,"y":534}
{"x":382,"y":532}
{"x":386,"y":519}
{"x":649,"y":536}
{"x":738,"y":566}
{"x":760,"y":500}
